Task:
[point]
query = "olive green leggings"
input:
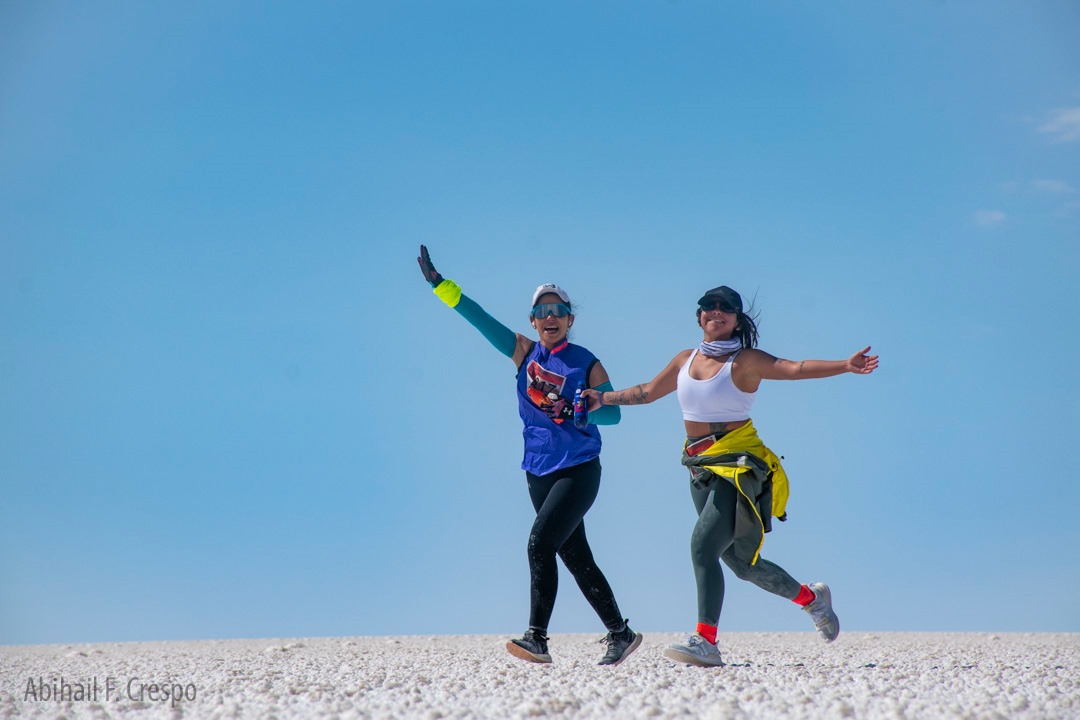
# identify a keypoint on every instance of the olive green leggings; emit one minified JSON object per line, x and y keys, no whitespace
{"x":711,"y":542}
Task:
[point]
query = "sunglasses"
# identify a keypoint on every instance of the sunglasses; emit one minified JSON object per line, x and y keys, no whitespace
{"x":557,"y":309}
{"x":718,"y":305}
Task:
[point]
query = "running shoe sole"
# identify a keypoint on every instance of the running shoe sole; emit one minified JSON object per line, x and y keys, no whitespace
{"x":523,"y":654}
{"x":682,"y":657}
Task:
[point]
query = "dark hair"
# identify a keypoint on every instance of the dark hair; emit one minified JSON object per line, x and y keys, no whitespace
{"x":746,"y":324}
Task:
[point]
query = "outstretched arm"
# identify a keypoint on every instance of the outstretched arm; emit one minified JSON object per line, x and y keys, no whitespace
{"x":768,"y":367}
{"x":505,"y":340}
{"x":663,"y":384}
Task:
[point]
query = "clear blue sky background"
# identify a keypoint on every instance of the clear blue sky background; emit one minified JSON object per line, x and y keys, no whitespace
{"x":231,"y":407}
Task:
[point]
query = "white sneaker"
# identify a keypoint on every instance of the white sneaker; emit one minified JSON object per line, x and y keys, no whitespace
{"x":821,"y":612}
{"x":695,"y":651}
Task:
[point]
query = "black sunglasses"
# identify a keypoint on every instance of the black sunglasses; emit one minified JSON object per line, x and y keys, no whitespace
{"x":718,"y":305}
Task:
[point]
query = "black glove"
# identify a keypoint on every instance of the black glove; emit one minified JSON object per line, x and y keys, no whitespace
{"x":430,"y":273}
{"x":560,"y":409}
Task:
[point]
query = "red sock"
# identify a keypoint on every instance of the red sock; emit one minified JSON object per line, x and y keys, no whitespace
{"x":707,"y":631}
{"x":805,"y":597}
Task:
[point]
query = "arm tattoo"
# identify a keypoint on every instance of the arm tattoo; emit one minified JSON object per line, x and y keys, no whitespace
{"x":636,"y":395}
{"x":801,"y":363}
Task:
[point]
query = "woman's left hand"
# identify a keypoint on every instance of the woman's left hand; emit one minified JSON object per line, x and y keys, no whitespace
{"x":428,"y":268}
{"x":861,"y":363}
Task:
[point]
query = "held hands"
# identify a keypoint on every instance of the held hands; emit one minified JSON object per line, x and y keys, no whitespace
{"x":862,"y":364}
{"x":430,"y":273}
{"x":592,"y":397}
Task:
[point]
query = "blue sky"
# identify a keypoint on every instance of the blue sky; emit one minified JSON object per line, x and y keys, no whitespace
{"x":231,"y":407}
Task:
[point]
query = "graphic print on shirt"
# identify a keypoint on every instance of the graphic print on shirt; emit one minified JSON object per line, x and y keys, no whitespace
{"x":545,"y":389}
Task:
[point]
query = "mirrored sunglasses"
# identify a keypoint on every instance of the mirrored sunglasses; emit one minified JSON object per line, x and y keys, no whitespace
{"x":557,"y":309}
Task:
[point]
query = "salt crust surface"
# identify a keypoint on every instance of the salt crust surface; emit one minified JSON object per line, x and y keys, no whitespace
{"x":792,"y":675}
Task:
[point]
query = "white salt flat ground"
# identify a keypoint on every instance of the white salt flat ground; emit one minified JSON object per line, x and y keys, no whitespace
{"x":795,"y":675}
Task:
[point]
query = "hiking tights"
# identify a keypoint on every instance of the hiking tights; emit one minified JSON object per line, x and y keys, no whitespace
{"x":561,"y":500}
{"x":711,"y":541}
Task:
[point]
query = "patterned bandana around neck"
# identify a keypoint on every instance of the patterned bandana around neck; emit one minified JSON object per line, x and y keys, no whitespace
{"x":720,"y":347}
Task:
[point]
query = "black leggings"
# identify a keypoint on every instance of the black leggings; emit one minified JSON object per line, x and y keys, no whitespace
{"x":711,"y":540}
{"x":561,"y":500}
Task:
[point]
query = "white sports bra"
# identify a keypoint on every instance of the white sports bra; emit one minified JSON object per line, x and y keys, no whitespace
{"x":713,"y":400}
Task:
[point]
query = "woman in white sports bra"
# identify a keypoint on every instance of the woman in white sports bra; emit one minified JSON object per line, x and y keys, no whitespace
{"x":733,"y":475}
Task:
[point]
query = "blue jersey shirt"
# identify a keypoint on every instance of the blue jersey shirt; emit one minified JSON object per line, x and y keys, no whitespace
{"x":545,"y":377}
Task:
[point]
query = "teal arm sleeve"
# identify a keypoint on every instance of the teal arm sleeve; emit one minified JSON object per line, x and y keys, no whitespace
{"x":502,"y":337}
{"x":605,"y":414}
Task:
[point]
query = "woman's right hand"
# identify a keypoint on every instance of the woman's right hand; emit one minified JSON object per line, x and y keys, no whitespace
{"x":592,"y":397}
{"x":430,"y":273}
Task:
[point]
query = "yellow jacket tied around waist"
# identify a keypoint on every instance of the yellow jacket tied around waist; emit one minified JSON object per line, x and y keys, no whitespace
{"x":743,"y":460}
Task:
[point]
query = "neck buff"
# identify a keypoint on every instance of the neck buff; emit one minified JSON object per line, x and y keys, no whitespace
{"x":719,"y":347}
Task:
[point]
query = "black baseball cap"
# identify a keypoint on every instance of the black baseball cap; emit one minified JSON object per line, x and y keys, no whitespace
{"x":727,"y":298}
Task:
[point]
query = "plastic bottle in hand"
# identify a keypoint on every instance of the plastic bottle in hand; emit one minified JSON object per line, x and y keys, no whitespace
{"x":581,"y":408}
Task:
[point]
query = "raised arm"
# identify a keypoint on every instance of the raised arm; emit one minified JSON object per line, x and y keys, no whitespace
{"x":513,"y":345}
{"x":763,"y":366}
{"x":663,"y":384}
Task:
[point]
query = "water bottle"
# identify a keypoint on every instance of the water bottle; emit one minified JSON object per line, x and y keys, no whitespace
{"x":581,"y":408}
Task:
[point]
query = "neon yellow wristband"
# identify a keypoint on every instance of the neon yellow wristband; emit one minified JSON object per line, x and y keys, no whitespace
{"x":449,"y":292}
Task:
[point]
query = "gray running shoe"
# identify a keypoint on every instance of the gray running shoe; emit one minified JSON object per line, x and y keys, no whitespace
{"x":532,"y":647}
{"x":695,"y":651}
{"x":821,"y":612}
{"x":620,"y":645}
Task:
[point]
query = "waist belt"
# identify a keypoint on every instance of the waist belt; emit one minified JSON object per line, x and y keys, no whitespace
{"x":699,"y":446}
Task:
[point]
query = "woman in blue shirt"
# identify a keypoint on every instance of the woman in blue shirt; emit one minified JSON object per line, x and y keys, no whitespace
{"x":562,"y":461}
